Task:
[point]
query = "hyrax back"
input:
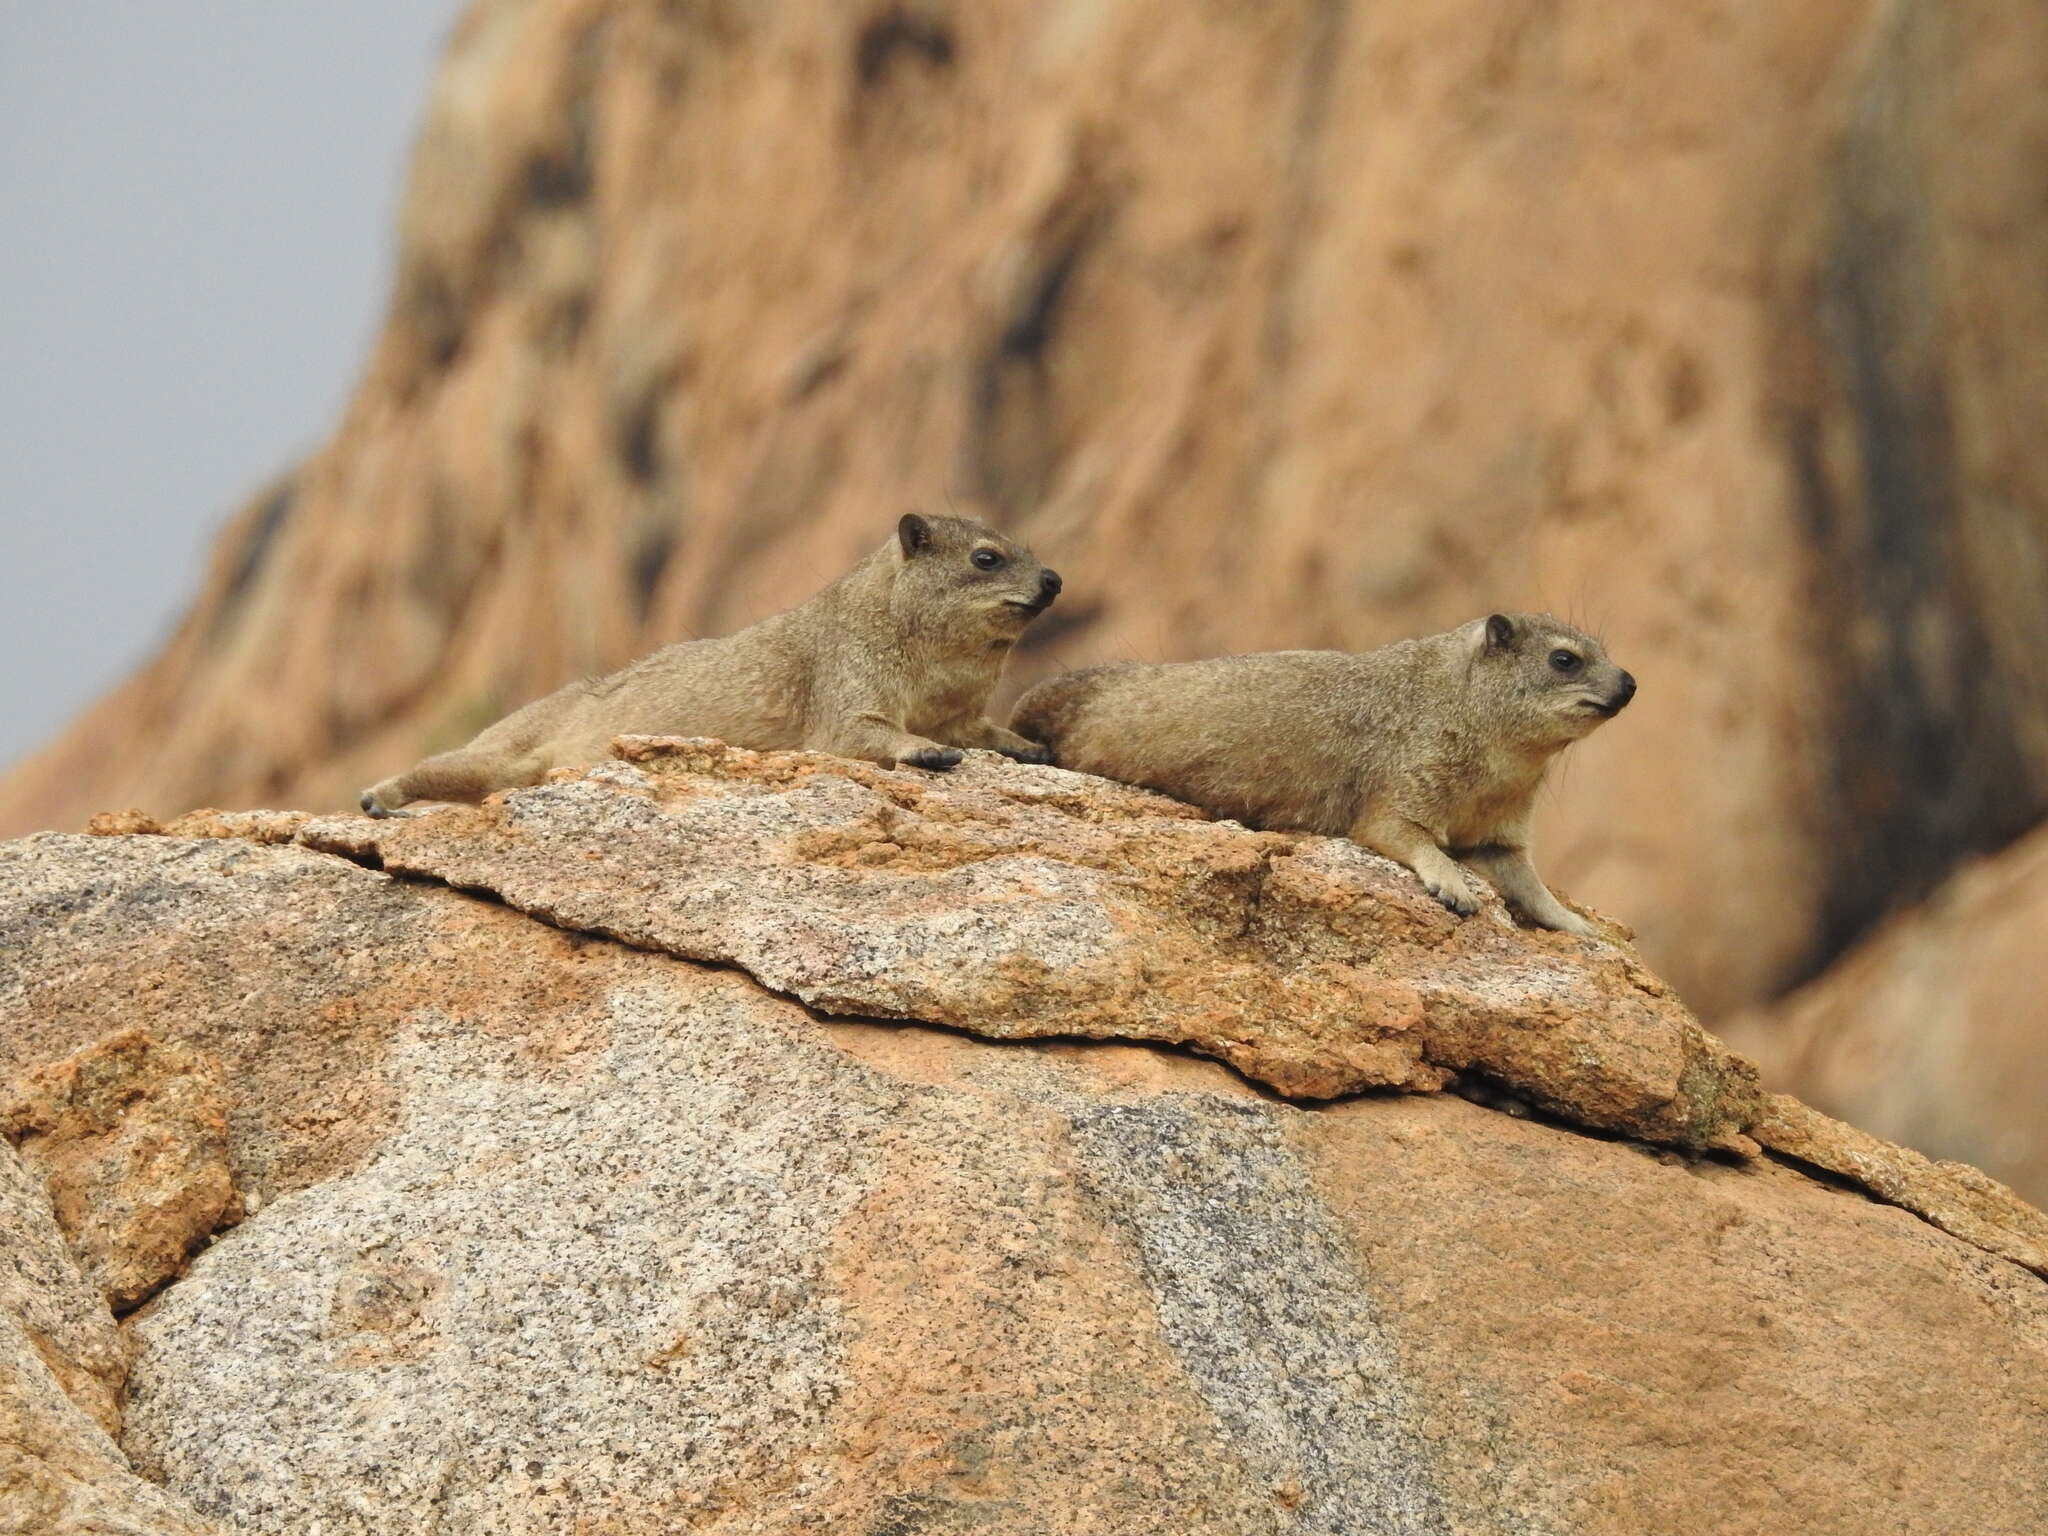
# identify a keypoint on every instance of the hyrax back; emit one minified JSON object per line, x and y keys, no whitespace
{"x":893,"y":662}
{"x":1422,"y":750}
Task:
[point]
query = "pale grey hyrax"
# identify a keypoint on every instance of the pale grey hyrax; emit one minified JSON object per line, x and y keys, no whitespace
{"x":893,"y":662}
{"x":1425,"y":751}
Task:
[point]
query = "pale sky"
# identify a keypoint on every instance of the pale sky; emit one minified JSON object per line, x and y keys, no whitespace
{"x":196,"y":213}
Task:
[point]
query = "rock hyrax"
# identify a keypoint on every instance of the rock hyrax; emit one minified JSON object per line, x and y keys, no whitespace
{"x":893,"y":662}
{"x":1424,"y":751}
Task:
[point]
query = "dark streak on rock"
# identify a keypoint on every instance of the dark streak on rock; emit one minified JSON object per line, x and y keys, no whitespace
{"x":1015,"y":444}
{"x":437,"y":315}
{"x":272,"y":513}
{"x":1928,"y":768}
{"x":560,"y":174}
{"x":898,"y":33}
{"x":648,"y":561}
{"x":639,"y":435}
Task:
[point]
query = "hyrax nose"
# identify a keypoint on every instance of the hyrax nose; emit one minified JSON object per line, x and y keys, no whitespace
{"x":1628,"y":689}
{"x":1049,"y":584}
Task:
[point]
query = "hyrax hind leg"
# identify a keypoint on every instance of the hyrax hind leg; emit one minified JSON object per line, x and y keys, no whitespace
{"x":467,"y":773}
{"x":1391,"y":834}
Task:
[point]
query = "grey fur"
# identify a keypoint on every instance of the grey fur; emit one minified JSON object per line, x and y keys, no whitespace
{"x":894,"y":662}
{"x":1425,"y":751}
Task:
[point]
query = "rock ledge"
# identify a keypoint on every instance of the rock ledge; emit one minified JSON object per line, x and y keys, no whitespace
{"x":1021,"y":902}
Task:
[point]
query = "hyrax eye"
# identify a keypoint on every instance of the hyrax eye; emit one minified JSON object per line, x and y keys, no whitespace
{"x":989,"y":560}
{"x":1565,"y":661}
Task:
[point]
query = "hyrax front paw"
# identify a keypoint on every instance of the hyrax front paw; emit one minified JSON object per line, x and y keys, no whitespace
{"x":938,"y":759}
{"x":1568,"y":921}
{"x":1458,"y":897}
{"x":1038,"y":755}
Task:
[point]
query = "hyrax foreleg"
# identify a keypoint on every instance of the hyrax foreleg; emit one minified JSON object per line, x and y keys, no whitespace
{"x":986,"y":734}
{"x":1515,"y":877}
{"x":1396,"y":837}
{"x":880,"y":740}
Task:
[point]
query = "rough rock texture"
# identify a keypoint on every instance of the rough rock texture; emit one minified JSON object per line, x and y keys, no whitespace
{"x":755,"y":1275}
{"x":1021,"y":902}
{"x":555,"y":1232}
{"x":49,"y":1304}
{"x":130,"y":1138}
{"x":62,"y":1364}
{"x":1931,"y":1032}
{"x":1954,"y":1196}
{"x":1302,"y":322}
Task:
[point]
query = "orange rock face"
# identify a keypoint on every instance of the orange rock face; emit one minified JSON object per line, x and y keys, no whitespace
{"x":1286,"y":324}
{"x":555,"y":1222}
{"x":131,"y":1138}
{"x":1931,"y":1031}
{"x":46,"y":1304}
{"x":63,"y":1363}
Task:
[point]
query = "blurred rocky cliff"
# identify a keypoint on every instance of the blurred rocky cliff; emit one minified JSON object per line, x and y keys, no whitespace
{"x":1717,"y":327}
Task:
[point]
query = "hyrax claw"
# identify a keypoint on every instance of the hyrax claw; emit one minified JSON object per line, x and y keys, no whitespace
{"x":1459,"y":899}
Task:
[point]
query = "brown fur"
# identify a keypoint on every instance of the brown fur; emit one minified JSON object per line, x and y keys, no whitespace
{"x":893,"y":662}
{"x":1420,"y":751}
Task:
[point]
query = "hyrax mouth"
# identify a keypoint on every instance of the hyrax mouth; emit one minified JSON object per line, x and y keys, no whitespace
{"x":1048,"y":588}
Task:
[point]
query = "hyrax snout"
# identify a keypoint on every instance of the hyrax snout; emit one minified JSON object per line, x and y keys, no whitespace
{"x":1428,"y":751}
{"x":894,"y":662}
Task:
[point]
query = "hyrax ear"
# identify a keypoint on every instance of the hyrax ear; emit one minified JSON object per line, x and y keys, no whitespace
{"x":1500,"y":631}
{"x":913,"y":533}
